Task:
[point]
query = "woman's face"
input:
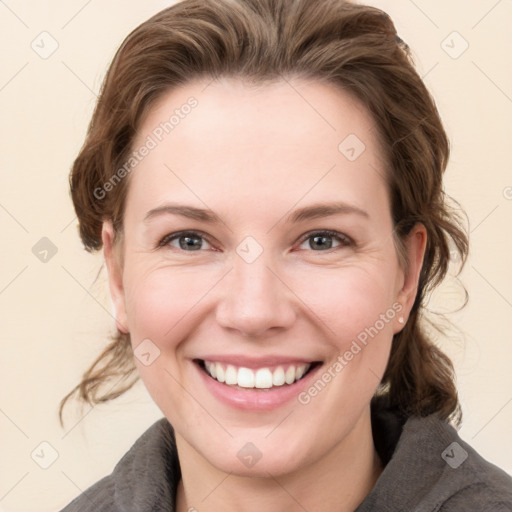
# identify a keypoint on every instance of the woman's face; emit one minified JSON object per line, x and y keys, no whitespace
{"x":258,"y":246}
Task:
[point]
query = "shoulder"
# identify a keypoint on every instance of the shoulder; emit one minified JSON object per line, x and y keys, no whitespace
{"x":432,"y":469}
{"x":130,"y":486}
{"x":98,"y":497}
{"x":461,"y":478}
{"x":481,"y":485}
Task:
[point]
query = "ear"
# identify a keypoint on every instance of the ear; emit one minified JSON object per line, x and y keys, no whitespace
{"x":415,"y":245}
{"x":113,"y":261}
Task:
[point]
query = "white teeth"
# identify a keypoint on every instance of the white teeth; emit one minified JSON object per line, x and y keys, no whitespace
{"x":231,"y":375}
{"x":300,"y":371}
{"x":245,"y":378}
{"x":211,"y":367}
{"x":219,"y":372}
{"x":289,"y":376}
{"x":278,"y":376}
{"x":263,"y":378}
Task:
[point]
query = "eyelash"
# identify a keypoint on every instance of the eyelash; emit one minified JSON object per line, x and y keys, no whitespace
{"x":344,"y":240}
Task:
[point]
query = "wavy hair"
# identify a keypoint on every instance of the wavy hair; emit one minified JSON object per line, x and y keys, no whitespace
{"x":352,"y":46}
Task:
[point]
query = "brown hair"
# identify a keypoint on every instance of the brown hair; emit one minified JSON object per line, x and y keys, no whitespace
{"x":352,"y":46}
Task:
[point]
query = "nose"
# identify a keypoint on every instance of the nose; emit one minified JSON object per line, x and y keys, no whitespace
{"x":256,"y":300}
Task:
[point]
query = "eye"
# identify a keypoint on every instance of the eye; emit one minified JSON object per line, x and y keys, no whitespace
{"x":188,"y":241}
{"x":192,"y":241}
{"x":322,"y":240}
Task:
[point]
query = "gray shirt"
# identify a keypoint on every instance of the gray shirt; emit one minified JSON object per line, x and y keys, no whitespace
{"x":428,"y":468}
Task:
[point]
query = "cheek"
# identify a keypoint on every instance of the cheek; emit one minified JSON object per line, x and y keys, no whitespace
{"x":358,"y":312}
{"x":166,"y":305}
{"x":160,"y":308}
{"x":159,"y":300}
{"x":350,"y":300}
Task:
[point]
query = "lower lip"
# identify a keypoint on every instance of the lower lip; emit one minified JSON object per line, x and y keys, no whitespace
{"x":256,"y":399}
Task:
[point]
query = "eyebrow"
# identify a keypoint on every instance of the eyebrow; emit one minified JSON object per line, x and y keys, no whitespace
{"x":319,"y":210}
{"x":313,"y":211}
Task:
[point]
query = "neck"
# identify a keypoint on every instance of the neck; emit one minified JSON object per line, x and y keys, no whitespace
{"x":339,"y":481}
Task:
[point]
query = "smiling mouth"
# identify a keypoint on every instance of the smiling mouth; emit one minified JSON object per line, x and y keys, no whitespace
{"x":266,"y":378}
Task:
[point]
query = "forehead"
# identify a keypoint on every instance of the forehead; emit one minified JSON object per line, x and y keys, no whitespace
{"x":292,"y":109}
{"x":288,"y":137}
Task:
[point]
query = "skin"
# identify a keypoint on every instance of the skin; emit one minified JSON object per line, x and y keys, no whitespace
{"x":253,"y":155}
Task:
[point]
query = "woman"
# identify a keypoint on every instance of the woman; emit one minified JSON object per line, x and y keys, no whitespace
{"x":265,"y":180}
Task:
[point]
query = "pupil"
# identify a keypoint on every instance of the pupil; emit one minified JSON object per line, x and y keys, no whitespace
{"x":322,"y":238}
{"x":190,"y":242}
{"x":195,"y":242}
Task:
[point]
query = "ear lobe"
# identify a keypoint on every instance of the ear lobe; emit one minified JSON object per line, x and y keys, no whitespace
{"x":415,"y":246}
{"x":115,"y":275}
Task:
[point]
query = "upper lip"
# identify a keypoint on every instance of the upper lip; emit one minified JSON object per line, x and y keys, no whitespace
{"x":256,"y":362}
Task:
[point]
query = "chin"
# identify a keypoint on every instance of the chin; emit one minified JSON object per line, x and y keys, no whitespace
{"x":258,"y":458}
{"x":263,"y":468}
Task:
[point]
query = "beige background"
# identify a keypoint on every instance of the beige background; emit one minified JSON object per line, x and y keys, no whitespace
{"x":54,"y":319}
